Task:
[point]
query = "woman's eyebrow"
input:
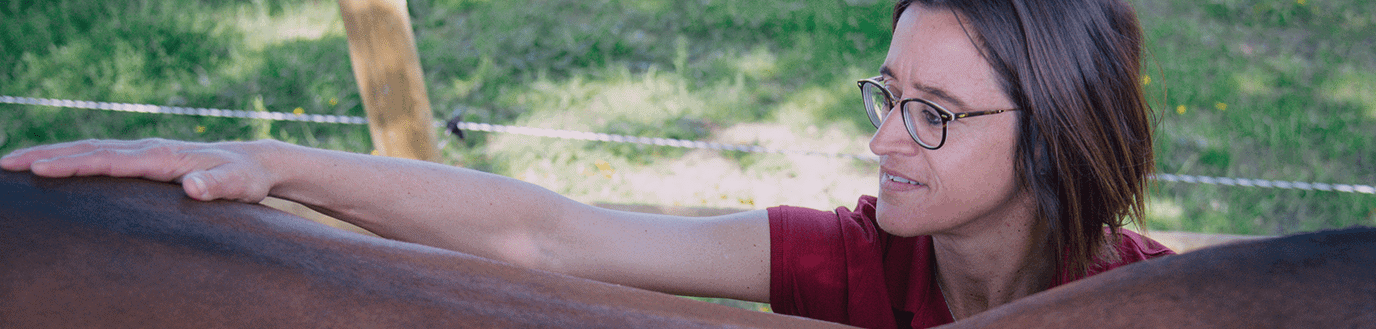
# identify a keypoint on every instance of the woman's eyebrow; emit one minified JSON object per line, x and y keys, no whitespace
{"x":930,"y":90}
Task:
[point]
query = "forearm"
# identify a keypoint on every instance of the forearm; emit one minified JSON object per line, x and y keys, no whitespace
{"x":514,"y":221}
{"x":415,"y":201}
{"x":447,"y":207}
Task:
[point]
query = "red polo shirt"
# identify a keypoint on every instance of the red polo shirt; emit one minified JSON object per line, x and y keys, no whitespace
{"x":840,"y":267}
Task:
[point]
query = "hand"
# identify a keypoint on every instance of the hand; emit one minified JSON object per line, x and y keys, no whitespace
{"x":207,"y":172}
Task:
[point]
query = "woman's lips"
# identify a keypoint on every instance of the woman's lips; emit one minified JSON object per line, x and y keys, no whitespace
{"x":893,"y":182}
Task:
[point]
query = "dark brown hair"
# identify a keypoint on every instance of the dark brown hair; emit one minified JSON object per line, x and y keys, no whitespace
{"x":1085,"y":147}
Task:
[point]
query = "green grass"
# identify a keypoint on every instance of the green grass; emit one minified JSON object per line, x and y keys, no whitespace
{"x":181,"y":53}
{"x":1269,"y":90}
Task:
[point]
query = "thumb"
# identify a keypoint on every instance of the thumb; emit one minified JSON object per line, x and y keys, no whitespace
{"x":196,"y":187}
{"x":224,"y":182}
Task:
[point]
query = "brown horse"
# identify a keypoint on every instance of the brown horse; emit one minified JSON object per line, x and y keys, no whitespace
{"x":1315,"y":280}
{"x":108,"y":252}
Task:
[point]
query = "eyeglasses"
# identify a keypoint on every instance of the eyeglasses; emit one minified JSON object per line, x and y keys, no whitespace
{"x":928,"y":129}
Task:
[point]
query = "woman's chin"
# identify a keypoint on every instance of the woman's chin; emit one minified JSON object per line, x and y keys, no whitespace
{"x":895,"y":219}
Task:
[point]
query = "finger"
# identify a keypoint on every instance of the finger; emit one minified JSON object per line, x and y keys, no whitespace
{"x":95,"y":162}
{"x":158,"y":163}
{"x":22,"y":159}
{"x":12,"y":163}
{"x":230,"y":182}
{"x":195,"y":186}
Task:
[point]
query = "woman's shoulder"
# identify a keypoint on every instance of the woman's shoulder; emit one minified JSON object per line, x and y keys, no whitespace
{"x":864,"y":210}
{"x":860,"y":220}
{"x":839,"y":266}
{"x":1133,"y":247}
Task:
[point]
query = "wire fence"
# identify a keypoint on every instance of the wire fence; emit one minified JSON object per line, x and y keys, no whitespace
{"x":602,"y":137}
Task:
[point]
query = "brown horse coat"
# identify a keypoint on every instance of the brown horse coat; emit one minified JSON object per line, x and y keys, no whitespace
{"x":105,"y":252}
{"x":124,"y":253}
{"x":1315,"y":280}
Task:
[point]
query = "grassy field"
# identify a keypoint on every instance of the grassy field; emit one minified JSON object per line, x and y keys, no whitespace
{"x":1279,"y":90}
{"x":1272,"y":90}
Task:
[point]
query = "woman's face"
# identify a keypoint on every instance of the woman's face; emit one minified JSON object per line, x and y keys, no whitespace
{"x":968,"y":185}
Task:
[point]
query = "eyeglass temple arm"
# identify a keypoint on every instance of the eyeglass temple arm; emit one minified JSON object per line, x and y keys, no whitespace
{"x":979,"y":113}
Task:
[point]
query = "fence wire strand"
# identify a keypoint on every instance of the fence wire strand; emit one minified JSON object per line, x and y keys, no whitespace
{"x":601,"y":137}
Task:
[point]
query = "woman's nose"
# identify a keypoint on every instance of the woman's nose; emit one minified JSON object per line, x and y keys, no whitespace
{"x":893,"y":137}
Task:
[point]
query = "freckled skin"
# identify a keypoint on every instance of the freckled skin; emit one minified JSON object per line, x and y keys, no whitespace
{"x":125,"y":253}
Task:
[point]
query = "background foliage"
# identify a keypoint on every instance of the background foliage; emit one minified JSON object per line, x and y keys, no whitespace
{"x":1280,"y":90}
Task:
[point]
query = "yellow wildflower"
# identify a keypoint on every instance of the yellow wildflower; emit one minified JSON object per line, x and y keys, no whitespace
{"x":605,"y":168}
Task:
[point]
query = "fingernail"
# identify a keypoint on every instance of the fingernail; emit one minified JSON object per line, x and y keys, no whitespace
{"x":200,"y":186}
{"x":39,"y":165}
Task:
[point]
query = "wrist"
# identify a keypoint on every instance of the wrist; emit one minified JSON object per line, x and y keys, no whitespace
{"x":301,"y":174}
{"x":276,"y":162}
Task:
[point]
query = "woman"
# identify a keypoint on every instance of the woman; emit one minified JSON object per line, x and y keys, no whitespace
{"x":1018,"y":147}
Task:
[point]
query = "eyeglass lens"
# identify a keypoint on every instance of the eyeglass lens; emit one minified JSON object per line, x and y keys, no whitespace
{"x":876,"y":103}
{"x":921,"y":119}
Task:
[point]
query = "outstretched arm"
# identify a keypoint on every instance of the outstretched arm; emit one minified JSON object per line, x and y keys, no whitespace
{"x":448,"y":207}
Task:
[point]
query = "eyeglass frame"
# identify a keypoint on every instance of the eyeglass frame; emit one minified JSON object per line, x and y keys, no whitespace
{"x":946,"y":115}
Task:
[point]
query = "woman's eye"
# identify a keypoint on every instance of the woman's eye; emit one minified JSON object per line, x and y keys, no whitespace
{"x":931,"y":118}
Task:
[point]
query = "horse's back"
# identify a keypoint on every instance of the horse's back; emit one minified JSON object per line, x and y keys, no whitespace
{"x":106,"y":252}
{"x":1315,"y":280}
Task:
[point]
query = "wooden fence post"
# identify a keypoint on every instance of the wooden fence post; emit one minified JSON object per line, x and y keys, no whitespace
{"x":387,"y":67}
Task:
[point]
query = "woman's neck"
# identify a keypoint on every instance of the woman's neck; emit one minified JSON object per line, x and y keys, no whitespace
{"x":983,"y":267}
